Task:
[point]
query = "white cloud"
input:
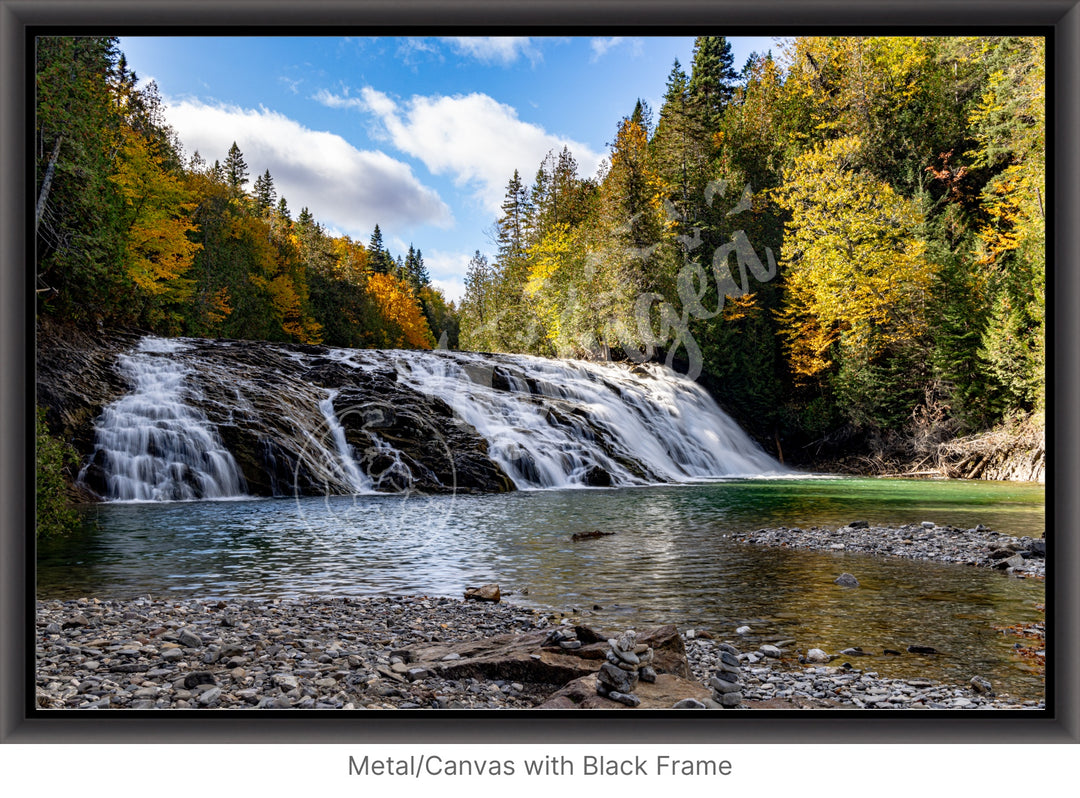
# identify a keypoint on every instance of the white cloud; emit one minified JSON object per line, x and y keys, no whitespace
{"x":447,"y":272}
{"x":345,"y":188}
{"x":453,"y":290}
{"x":413,"y":50}
{"x":494,"y":49}
{"x":476,"y":140}
{"x":601,"y":46}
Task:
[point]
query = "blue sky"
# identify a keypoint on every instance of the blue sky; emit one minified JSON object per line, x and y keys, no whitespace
{"x":419,"y":135}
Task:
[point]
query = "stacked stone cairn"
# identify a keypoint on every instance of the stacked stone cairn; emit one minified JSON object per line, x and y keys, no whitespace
{"x":627,"y":662}
{"x":725,"y":683}
{"x":564,"y":637}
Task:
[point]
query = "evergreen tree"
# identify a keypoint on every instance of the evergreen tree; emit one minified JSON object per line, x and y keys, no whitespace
{"x":382,"y":262}
{"x":679,"y":148}
{"x":478,"y":306}
{"x":712,"y":80}
{"x":264,"y":191}
{"x":235,"y":168}
{"x":414,"y":271}
{"x":77,"y":212}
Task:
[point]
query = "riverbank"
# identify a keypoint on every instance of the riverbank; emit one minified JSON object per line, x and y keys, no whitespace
{"x":1012,"y":451}
{"x":1019,"y":557}
{"x":354,"y":653}
{"x":348,"y":654}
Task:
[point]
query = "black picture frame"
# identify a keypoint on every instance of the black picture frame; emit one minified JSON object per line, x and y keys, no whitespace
{"x":20,"y":19}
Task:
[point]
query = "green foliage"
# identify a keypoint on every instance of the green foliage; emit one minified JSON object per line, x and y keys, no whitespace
{"x":54,"y":515}
{"x":78,"y":273}
{"x":900,"y":178}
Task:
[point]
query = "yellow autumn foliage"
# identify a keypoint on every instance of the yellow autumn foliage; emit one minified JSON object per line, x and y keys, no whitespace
{"x":157,"y":250}
{"x":404,"y":322}
{"x":856,"y":271}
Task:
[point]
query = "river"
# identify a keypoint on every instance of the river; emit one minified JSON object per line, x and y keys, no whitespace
{"x":671,"y":560}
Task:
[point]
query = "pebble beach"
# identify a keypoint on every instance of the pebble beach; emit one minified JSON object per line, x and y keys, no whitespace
{"x":332,"y":653}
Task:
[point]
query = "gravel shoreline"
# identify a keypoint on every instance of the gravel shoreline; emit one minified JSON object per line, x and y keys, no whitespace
{"x":981,"y":547}
{"x":346,"y":653}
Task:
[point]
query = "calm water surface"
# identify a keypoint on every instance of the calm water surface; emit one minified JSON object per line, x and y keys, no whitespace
{"x":669,"y":561}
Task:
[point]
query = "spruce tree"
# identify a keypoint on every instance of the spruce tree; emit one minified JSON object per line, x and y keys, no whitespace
{"x":712,"y":80}
{"x":264,"y":191}
{"x":235,"y":168}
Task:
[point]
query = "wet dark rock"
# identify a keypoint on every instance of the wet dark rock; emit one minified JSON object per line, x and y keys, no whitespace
{"x":262,"y":399}
{"x":688,"y":703}
{"x":597,"y":477}
{"x":1015,"y":561}
{"x":590,"y":535}
{"x":196,"y":678}
{"x":187,"y":637}
{"x":922,"y":650}
{"x":846,"y":580}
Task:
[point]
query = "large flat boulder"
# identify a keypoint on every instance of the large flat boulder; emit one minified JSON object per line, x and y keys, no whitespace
{"x":530,"y":658}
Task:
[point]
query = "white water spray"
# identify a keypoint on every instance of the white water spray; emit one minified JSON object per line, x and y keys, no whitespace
{"x":154,"y":446}
{"x":554,"y":424}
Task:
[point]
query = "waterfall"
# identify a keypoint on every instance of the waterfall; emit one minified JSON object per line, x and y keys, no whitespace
{"x":353,"y":476}
{"x":309,"y":420}
{"x":151,"y":444}
{"x":555,"y":424}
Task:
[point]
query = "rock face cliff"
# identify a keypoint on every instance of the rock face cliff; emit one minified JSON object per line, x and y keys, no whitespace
{"x":270,"y":407}
{"x":173,"y":419}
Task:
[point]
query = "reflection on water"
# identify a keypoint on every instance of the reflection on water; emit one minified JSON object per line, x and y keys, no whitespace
{"x":669,"y":561}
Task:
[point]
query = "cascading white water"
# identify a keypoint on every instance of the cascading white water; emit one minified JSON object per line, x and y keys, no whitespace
{"x":152,"y":445}
{"x":353,"y":476}
{"x":556,"y":423}
{"x":544,"y":423}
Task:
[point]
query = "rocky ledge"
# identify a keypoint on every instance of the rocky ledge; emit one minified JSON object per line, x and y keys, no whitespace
{"x":410,"y":653}
{"x":980,"y":546}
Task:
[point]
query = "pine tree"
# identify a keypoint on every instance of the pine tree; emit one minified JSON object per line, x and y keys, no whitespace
{"x":264,"y":191}
{"x":382,"y":262}
{"x":414,"y":271}
{"x":478,"y":306}
{"x":235,"y":168}
{"x":712,"y":79}
{"x":642,"y":117}
{"x":678,"y":148}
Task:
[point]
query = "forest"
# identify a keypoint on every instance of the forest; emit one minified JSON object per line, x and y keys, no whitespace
{"x":843,"y":241}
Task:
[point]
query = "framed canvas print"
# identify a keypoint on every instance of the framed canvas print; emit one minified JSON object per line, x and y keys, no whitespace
{"x":559,"y":372}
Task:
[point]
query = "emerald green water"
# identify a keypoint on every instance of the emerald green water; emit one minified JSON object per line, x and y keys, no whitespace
{"x":1014,"y":508}
{"x":671,"y":560}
